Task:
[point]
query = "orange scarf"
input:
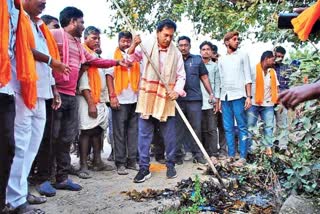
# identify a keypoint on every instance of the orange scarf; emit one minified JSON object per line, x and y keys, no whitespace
{"x":51,"y":42}
{"x":121,"y":76}
{"x":302,"y":25}
{"x":94,"y":79}
{"x":5,"y":68}
{"x":260,"y":85}
{"x":26,"y":66}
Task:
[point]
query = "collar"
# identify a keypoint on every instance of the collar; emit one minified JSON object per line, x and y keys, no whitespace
{"x":71,"y":37}
{"x":162,"y":49}
{"x":233,"y":53}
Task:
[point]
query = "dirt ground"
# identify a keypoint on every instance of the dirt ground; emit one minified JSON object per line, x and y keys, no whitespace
{"x":102,"y":192}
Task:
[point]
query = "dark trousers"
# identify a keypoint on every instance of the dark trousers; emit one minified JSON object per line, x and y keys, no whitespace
{"x":222,"y":138}
{"x":209,"y":132}
{"x":7,"y":145}
{"x":125,"y":134}
{"x":158,"y":143}
{"x":64,"y":131}
{"x":146,"y":131}
{"x":45,"y":159}
{"x":192,"y":110}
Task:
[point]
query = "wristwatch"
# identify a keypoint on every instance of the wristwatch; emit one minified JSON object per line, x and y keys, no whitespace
{"x":249,"y":97}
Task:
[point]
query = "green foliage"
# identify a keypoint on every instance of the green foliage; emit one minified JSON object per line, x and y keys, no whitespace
{"x":303,"y":174}
{"x":196,"y":197}
{"x":255,"y":19}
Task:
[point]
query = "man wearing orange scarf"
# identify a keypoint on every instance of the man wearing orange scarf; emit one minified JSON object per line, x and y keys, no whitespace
{"x":93,"y":110}
{"x":265,"y":95}
{"x":30,"y":96}
{"x":65,"y":126}
{"x":14,"y":30}
{"x":123,"y":86}
{"x":7,"y":103}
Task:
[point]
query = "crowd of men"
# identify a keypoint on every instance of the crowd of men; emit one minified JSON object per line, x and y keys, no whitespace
{"x":55,"y":89}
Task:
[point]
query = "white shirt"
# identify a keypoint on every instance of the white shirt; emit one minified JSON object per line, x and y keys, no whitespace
{"x":267,"y":89}
{"x":84,"y":84}
{"x":127,"y":96}
{"x":44,"y":72}
{"x":235,"y":73}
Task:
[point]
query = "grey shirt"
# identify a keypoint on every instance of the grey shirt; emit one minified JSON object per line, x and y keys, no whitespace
{"x":214,"y":78}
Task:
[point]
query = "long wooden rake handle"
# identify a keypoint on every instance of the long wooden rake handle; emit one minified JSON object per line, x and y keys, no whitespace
{"x":195,"y":137}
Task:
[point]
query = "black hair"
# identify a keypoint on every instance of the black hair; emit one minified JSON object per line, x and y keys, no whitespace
{"x":215,"y":48}
{"x":266,"y":54}
{"x":91,"y":30}
{"x":280,"y":49}
{"x":68,"y":14}
{"x":168,"y":23}
{"x":184,"y":38}
{"x":47,"y":19}
{"x":124,"y":34}
{"x":206,"y":43}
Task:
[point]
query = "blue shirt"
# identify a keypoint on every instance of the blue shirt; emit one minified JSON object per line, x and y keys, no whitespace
{"x":194,"y":68}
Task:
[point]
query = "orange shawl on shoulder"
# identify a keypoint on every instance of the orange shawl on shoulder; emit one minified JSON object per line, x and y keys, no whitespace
{"x":94,"y":79}
{"x":122,"y":77}
{"x":5,"y":68}
{"x":259,"y":98}
{"x":26,"y":66}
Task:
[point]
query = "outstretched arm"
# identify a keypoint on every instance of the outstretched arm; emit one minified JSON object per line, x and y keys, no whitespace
{"x":294,"y":96}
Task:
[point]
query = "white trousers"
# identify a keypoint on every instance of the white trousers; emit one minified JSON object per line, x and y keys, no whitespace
{"x":28,"y":131}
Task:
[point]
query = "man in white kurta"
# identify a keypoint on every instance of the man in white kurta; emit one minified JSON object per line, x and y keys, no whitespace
{"x":29,"y":124}
{"x":93,"y":115}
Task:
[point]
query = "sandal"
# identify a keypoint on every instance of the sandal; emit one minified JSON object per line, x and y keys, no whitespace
{"x":27,"y":209}
{"x":68,"y":185}
{"x":32,"y":199}
{"x":239,"y":163}
{"x":102,"y":167}
{"x":46,"y":189}
{"x":84,"y":174}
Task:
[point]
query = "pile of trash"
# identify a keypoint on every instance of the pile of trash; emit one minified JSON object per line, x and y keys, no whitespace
{"x":251,"y":189}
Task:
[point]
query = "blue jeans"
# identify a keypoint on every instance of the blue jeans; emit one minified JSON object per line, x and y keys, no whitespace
{"x":145,"y":135}
{"x":266,"y":114}
{"x":230,"y":110}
